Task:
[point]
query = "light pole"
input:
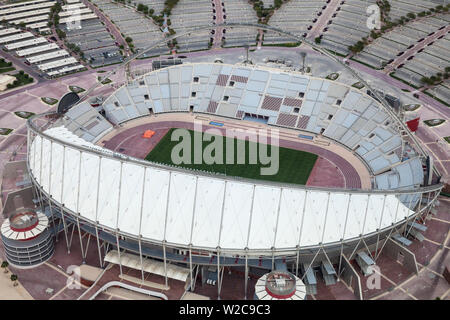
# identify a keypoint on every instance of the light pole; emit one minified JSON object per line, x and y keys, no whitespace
{"x":303,"y":55}
{"x":246,"y":51}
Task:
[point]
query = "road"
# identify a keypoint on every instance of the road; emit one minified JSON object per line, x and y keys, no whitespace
{"x":18,"y":63}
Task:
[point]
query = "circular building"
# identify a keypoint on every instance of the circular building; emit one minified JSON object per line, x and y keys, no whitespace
{"x":280,"y":285}
{"x":27,"y":239}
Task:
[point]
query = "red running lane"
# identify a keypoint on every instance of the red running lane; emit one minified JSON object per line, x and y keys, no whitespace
{"x":339,"y":172}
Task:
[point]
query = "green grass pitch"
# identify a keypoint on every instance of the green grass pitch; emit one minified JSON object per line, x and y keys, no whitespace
{"x":294,"y":166}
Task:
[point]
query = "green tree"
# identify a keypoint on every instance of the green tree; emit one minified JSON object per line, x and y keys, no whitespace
{"x":61,"y":34}
{"x":14,"y":279}
{"x":5,"y":265}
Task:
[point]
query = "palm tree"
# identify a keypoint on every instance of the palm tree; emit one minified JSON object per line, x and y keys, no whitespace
{"x":14,"y":278}
{"x":5,"y":266}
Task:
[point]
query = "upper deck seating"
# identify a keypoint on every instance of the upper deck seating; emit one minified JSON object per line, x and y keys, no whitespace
{"x":85,"y":122}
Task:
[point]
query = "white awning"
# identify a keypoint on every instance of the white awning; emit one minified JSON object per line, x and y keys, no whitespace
{"x":34,"y":50}
{"x":151,"y":266}
{"x":25,"y":43}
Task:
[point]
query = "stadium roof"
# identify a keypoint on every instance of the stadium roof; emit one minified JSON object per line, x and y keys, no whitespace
{"x":186,"y":208}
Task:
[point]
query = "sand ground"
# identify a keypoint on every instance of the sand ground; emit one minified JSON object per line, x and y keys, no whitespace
{"x":9,"y":292}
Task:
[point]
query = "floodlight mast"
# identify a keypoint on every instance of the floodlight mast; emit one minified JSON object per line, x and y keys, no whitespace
{"x":246,"y":52}
{"x":303,"y":55}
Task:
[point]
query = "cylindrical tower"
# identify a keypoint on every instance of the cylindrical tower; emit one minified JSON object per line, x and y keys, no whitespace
{"x":27,"y":239}
{"x":280,"y":285}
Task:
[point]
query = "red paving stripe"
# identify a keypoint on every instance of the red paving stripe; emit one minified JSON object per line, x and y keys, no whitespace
{"x":292,"y":102}
{"x":271,"y":103}
{"x":222,"y":80}
{"x":239,"y":78}
{"x":288,"y":120}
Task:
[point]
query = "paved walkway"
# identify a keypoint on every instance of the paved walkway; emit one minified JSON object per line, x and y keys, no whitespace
{"x":10,"y":292}
{"x":411,"y":52}
{"x":322,"y":21}
{"x":219,"y":19}
{"x":432,"y":256}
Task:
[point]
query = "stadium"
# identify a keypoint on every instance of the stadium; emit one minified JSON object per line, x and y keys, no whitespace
{"x":354,"y":185}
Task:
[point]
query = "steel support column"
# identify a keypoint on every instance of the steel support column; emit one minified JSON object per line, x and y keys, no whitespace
{"x":190,"y":264}
{"x":140,"y":223}
{"x":78,"y":209}
{"x":62,"y":198}
{"x":246,"y":273}
{"x":343,"y":235}
{"x":379,"y":226}
{"x":118,"y":251}
{"x":165,"y":263}
{"x":218,"y":273}
{"x":96,"y":211}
